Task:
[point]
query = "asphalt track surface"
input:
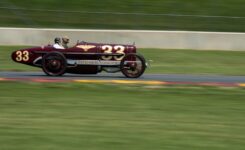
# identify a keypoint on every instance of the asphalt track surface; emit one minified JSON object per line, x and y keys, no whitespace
{"x":119,"y":76}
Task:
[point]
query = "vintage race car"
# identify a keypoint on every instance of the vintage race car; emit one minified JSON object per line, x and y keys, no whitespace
{"x":84,"y":58}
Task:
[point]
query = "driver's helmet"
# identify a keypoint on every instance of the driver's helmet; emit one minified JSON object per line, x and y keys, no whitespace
{"x":65,"y":39}
{"x":57,"y":40}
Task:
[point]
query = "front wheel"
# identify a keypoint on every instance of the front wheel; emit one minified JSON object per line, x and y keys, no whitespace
{"x":133,"y":65}
{"x":54,"y":64}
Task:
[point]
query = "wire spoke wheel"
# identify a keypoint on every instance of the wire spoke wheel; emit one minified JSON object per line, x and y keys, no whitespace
{"x":54,"y":64}
{"x":133,"y":65}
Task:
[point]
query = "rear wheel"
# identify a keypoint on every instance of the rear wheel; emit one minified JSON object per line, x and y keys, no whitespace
{"x":133,"y":65}
{"x":54,"y":64}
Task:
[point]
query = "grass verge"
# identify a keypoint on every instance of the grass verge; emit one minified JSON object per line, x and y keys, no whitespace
{"x":71,"y":116}
{"x":109,"y":14}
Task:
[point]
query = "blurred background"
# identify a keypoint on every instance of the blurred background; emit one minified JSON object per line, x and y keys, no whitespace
{"x":195,"y":15}
{"x":74,"y":116}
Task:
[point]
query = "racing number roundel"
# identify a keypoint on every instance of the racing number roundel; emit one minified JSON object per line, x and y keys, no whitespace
{"x":22,"y":56}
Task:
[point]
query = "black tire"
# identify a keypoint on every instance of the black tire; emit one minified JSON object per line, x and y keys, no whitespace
{"x":133,"y":65}
{"x":54,"y":64}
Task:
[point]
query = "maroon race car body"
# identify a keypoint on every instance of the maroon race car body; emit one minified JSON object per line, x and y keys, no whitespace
{"x":84,"y":58}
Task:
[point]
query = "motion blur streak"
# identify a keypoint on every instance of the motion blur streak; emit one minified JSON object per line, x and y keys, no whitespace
{"x":124,"y":13}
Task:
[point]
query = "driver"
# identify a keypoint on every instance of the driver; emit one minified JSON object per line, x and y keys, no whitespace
{"x":57,"y":44}
{"x":65,"y":41}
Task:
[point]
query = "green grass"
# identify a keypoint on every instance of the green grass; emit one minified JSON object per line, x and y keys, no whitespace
{"x":164,"y":61}
{"x":54,"y":19}
{"x":195,"y":62}
{"x":71,"y":116}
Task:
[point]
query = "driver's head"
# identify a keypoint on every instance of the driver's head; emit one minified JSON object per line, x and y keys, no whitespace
{"x":65,"y":39}
{"x":57,"y":40}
